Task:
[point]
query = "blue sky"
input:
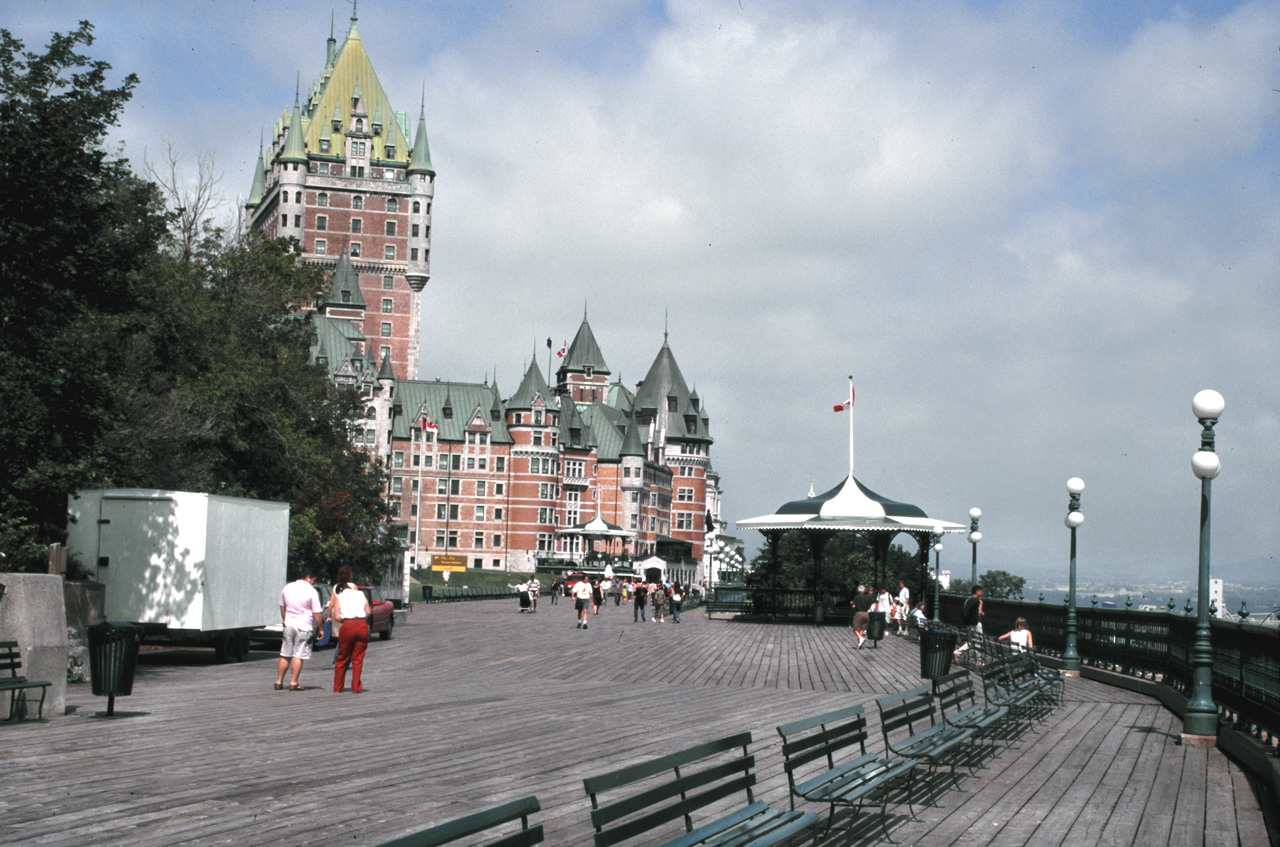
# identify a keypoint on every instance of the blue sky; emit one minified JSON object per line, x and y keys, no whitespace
{"x":1030,"y":231}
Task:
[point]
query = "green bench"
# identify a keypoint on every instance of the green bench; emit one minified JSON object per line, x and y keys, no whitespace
{"x":912,"y":730}
{"x":958,"y":704}
{"x":15,"y":683}
{"x":499,"y":817}
{"x":826,"y":761}
{"x":646,"y":798}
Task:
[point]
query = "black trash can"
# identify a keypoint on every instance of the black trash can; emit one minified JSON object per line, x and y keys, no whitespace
{"x":936,"y":649}
{"x":113,"y":658}
{"x":427,"y":591}
{"x":876,"y":630}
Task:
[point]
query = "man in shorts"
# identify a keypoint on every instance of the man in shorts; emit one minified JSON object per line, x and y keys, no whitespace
{"x":582,"y":601}
{"x":302,"y":615}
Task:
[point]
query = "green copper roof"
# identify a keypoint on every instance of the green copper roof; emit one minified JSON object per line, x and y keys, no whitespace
{"x":259,"y":182}
{"x":664,"y":387}
{"x":532,"y":384}
{"x":384,"y":370}
{"x":352,"y":74}
{"x":468,"y":402}
{"x":336,"y":341}
{"x":584,"y":352}
{"x":295,"y":149}
{"x":632,"y":444}
{"x":344,"y":285}
{"x":420,"y":159}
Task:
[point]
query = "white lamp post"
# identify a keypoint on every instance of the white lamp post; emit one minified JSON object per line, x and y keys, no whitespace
{"x":974,"y":538}
{"x":1070,"y":655}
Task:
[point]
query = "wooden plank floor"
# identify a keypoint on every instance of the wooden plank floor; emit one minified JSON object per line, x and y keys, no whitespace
{"x":473,"y":704}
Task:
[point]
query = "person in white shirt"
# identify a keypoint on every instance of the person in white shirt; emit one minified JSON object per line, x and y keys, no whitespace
{"x":904,"y":599}
{"x":1019,"y":637}
{"x":300,"y":611}
{"x":582,"y":600}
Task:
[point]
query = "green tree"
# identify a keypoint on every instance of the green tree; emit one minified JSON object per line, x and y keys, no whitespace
{"x":996,"y":584}
{"x":75,"y":228}
{"x":847,"y":562}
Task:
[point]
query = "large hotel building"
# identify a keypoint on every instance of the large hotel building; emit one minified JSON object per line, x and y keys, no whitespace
{"x":538,"y":478}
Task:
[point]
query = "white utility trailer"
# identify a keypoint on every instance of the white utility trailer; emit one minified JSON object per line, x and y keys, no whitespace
{"x":188,"y":568}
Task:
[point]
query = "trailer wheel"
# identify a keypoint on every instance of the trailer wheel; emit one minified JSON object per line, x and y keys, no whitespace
{"x":242,"y":645}
{"x":224,"y":647}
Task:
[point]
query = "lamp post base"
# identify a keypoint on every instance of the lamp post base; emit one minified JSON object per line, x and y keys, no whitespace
{"x":1189,"y":740}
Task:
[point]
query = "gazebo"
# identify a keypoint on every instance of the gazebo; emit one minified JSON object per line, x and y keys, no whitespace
{"x":597,"y":529}
{"x":849,"y":507}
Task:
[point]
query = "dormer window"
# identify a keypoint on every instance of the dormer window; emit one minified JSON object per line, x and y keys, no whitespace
{"x":324,"y":145}
{"x":337,"y":125}
{"x":377,"y":129}
{"x":389,"y":150}
{"x":359,"y":124}
{"x":671,"y":404}
{"x":346,"y":295}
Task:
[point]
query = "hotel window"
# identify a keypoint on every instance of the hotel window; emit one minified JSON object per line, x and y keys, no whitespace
{"x":391,"y":225}
{"x":383,"y":353}
{"x":413,"y":230}
{"x":391,"y":203}
{"x":497,"y":513}
{"x":390,"y":151}
{"x":440,"y":511}
{"x":385,"y":330}
{"x":500,"y":465}
{"x":633,"y":521}
{"x":453,"y":538}
{"x":453,"y":511}
{"x":297,"y":196}
{"x":442,"y":485}
{"x":355,"y":249}
{"x":413,"y":486}
{"x":320,"y":246}
{"x":684,"y":495}
{"x":413,"y":254}
{"x":537,"y":439}
{"x":397,"y":484}
{"x":357,"y":148}
{"x":357,"y":202}
{"x":386,"y":305}
{"x":397,"y":459}
{"x":388,"y":282}
{"x":480,"y":488}
{"x":439,"y":537}
{"x":498,"y":489}
{"x":324,"y":145}
{"x":479,"y":513}
{"x":417,"y":207}
{"x":497,"y":542}
{"x":297,"y":220}
{"x":356,"y":224}
{"x":389,"y":252}
{"x":478,"y":540}
{"x":322,"y":199}
{"x":471,"y":463}
{"x":455,"y":486}
{"x":322,"y":222}
{"x":284,"y":220}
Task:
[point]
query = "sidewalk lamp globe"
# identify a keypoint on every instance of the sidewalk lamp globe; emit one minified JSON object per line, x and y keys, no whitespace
{"x":1074,"y":520}
{"x":1208,"y":405}
{"x":1075,"y":485}
{"x":1205,"y":464}
{"x":975,"y":537}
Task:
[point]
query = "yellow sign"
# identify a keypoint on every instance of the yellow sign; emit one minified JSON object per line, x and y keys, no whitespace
{"x":448,"y":563}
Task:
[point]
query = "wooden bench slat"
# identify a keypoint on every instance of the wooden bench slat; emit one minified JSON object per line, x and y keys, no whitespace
{"x":478,"y":822}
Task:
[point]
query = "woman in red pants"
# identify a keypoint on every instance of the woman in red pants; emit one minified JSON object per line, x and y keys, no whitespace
{"x":350,"y":606}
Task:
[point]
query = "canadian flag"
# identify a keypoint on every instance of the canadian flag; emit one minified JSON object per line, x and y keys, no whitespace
{"x":429,"y":424}
{"x":564,"y":348}
{"x":847,"y":404}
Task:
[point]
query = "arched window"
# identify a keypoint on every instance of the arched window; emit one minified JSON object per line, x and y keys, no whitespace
{"x":322,"y":199}
{"x":417,"y":207}
{"x":297,"y":196}
{"x":391,"y":204}
{"x":357,"y":202}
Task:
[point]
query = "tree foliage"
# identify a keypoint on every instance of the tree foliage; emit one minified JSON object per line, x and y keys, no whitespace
{"x":996,"y":584}
{"x":847,"y":562}
{"x":135,"y":354}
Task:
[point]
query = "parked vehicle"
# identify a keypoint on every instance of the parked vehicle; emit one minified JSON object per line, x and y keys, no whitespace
{"x":272,"y":634}
{"x":570,"y":580}
{"x":188,"y":568}
{"x":382,"y":617}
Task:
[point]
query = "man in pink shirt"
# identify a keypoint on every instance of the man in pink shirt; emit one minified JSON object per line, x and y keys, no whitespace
{"x":302,"y":615}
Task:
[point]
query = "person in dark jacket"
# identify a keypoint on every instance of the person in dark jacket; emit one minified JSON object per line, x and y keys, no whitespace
{"x":972,"y":619}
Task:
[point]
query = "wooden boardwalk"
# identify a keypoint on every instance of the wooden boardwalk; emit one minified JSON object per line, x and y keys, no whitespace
{"x":473,"y":704}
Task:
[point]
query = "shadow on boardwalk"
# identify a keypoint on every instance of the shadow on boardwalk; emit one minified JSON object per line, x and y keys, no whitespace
{"x":473,"y":704}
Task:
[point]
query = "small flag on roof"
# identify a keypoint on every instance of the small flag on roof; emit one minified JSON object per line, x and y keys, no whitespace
{"x":564,"y":348}
{"x":549,"y":344}
{"x":427,"y":424}
{"x":847,"y":404}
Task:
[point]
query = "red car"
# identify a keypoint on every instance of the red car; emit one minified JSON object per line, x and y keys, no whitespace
{"x":381,"y":615}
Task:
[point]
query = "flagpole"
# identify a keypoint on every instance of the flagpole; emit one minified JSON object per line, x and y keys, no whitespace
{"x":851,"y":425}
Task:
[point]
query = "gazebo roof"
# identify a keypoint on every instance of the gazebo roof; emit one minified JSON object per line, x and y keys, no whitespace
{"x":597,"y":527}
{"x":850,"y":507}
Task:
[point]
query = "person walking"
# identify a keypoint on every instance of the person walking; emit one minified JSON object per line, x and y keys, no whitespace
{"x":972,"y":620}
{"x":861,"y":614}
{"x":597,"y":596}
{"x":302,"y":615}
{"x":677,"y":597}
{"x":535,"y":588}
{"x":351,"y":608}
{"x":581,"y":600}
{"x":659,"y":603}
{"x":554,"y":589}
{"x":642,"y":596}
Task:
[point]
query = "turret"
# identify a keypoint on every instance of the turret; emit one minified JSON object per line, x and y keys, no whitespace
{"x":421,"y":189}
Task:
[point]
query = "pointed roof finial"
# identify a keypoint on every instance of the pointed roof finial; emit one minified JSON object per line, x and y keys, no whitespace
{"x":584,"y":309}
{"x":353,"y":33}
{"x":666,"y":316}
